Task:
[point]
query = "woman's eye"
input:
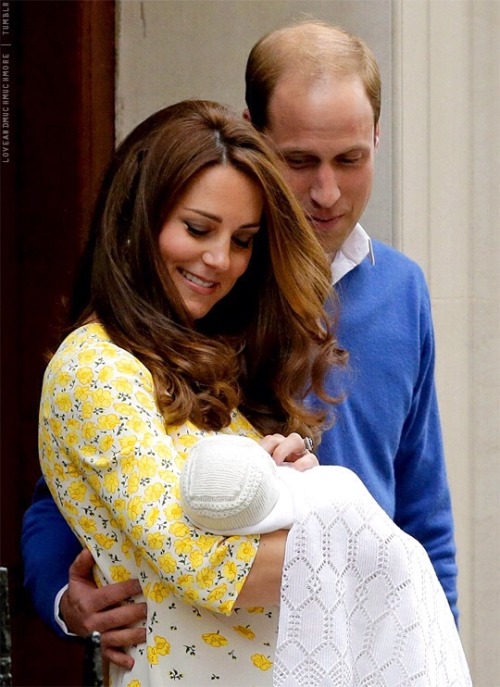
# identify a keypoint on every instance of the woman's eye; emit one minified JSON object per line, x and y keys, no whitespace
{"x":195,"y":231}
{"x":243,"y":243}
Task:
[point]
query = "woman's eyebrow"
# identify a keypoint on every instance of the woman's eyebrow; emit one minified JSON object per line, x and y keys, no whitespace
{"x":218,"y":219}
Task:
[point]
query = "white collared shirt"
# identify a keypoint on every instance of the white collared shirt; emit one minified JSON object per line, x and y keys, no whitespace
{"x":351,"y":253}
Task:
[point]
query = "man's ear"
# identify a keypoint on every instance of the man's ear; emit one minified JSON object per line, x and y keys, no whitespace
{"x":246,"y":115}
{"x":377,"y":136}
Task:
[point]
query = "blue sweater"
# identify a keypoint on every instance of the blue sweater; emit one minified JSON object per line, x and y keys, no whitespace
{"x":387,"y":430}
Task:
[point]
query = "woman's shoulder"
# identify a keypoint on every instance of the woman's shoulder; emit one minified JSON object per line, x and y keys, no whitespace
{"x":91,"y":346}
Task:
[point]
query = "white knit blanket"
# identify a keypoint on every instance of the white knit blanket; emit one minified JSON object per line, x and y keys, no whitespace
{"x":361,"y":605}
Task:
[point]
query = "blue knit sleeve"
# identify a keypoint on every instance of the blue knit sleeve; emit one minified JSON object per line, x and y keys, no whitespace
{"x":49,"y":548}
{"x":423,"y":503}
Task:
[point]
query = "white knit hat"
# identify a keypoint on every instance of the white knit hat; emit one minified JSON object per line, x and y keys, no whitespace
{"x":228,"y":482}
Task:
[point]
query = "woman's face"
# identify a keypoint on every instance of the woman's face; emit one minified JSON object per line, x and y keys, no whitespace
{"x":206,"y":240}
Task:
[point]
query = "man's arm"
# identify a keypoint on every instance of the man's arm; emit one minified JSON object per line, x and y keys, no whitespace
{"x":423,"y":502}
{"x":49,"y":549}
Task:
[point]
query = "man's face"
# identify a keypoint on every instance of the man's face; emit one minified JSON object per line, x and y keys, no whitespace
{"x":326,"y":133}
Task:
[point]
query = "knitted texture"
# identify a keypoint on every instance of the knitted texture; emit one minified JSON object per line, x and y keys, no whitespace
{"x":228,"y":482}
{"x":361,"y":605}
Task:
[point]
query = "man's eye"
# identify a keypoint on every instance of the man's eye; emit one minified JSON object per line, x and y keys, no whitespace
{"x":298,"y":162}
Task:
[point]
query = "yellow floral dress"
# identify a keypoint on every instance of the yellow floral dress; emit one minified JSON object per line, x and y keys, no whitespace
{"x":113,"y":469}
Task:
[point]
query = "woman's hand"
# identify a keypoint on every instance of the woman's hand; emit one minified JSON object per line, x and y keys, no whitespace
{"x":291,"y":449}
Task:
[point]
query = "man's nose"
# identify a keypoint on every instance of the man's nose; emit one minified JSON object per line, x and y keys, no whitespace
{"x":325,"y":189}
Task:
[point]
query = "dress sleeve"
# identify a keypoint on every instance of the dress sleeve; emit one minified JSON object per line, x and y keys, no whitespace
{"x":114,"y":469}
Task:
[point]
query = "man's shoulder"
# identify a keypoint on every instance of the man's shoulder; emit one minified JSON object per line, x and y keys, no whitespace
{"x":392,"y":261}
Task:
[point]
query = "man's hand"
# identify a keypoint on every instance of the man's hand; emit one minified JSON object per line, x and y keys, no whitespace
{"x":85,"y":609}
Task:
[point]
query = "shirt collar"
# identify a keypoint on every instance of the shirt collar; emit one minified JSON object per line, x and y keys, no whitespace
{"x":352,"y":252}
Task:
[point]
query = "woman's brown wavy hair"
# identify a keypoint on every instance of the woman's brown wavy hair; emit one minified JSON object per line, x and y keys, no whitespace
{"x":265,"y":345}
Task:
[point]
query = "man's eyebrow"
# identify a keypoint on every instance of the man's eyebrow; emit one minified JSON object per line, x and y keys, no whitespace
{"x":217,"y":218}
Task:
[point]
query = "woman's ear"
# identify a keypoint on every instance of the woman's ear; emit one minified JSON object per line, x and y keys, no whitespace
{"x":377,"y":136}
{"x":246,"y":115}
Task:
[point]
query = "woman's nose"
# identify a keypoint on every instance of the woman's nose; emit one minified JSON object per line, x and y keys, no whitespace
{"x":217,"y":256}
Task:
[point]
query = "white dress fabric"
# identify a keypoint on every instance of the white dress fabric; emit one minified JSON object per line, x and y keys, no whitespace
{"x":361,"y":605}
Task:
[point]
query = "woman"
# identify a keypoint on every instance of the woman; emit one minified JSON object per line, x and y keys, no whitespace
{"x":198,"y":317}
{"x":198,"y":309}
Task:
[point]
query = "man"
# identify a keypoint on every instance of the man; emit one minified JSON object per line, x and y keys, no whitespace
{"x":314,"y":90}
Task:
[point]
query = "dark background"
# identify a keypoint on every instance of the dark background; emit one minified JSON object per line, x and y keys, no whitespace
{"x":61,"y":62}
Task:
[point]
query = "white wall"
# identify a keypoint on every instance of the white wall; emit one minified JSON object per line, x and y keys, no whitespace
{"x":436,"y":198}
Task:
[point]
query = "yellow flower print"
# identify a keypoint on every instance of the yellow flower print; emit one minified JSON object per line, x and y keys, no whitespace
{"x":72,"y":471}
{"x":152,"y":516}
{"x":87,"y":524}
{"x":106,"y":373}
{"x":162,"y":450}
{"x":206,"y":542}
{"x":59,"y":471}
{"x":230,"y":571}
{"x":119,"y":504}
{"x":256,"y":609}
{"x":183,"y":546}
{"x":191,"y":596}
{"x":244,"y":631}
{"x":119,"y":573}
{"x":152,"y":655}
{"x":86,"y":357}
{"x":128,"y":366}
{"x":126,"y":548}
{"x":123,"y":386}
{"x":261,"y":661}
{"x":162,"y":646}
{"x":159,"y":591}
{"x":109,"y":421}
{"x":127,"y":444}
{"x":106,"y":443}
{"x":85,"y":375}
{"x":134,"y":683}
{"x":63,"y":378}
{"x":185,"y":581}
{"x":146,"y":466}
{"x":179,"y":529}
{"x":55,"y":426}
{"x":196,"y":559}
{"x":218,"y":556}
{"x":87,"y":410}
{"x":144,"y":400}
{"x":111,"y":482}
{"x":71,"y":438}
{"x":77,"y":491}
{"x":94,"y":481}
{"x":133,"y":483}
{"x":135,"y":507}
{"x":218,"y":593}
{"x":123,"y":408}
{"x":167,"y":563}
{"x":128,"y":464}
{"x":174,"y":511}
{"x":104,"y":541}
{"x":136,"y":532}
{"x":95,"y":501}
{"x":136,"y":424}
{"x":188,"y":440}
{"x":226,"y":607}
{"x":81,"y":393}
{"x":154,"y":492}
{"x":168,"y":476}
{"x":214,"y":639}
{"x":246,"y":552}
{"x":63,"y":402}
{"x":155,"y":540}
{"x":67,"y":505}
{"x":89,"y":430}
{"x":206,"y":578}
{"x":102,"y":398}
